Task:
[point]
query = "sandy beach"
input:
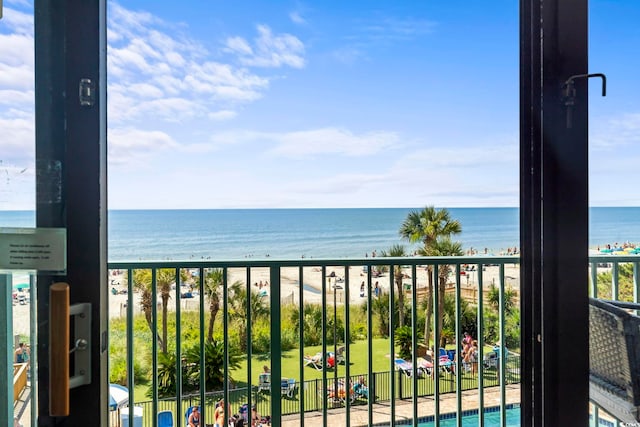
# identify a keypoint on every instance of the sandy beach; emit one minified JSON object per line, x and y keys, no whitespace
{"x":312,"y":293}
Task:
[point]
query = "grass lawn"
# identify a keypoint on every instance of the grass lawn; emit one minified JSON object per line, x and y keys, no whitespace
{"x":358,"y":357}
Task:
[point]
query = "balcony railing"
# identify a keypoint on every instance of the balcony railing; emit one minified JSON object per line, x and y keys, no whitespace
{"x":330,"y":294}
{"x":312,"y":306}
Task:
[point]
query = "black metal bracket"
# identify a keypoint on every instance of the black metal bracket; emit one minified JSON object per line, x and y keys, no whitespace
{"x":569,"y":93}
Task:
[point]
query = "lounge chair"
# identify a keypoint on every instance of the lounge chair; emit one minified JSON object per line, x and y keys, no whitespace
{"x":614,"y":382}
{"x":339,"y":357}
{"x":165,"y":419}
{"x":264,"y":382}
{"x":492,"y":359}
{"x":444,"y":364}
{"x":407,"y":368}
{"x":316,"y":361}
{"x":425,"y":365}
{"x":288,"y":387}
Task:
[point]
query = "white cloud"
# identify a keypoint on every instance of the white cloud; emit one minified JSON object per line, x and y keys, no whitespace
{"x":615,"y":133}
{"x":297,"y":18}
{"x":333,"y":141}
{"x":18,"y":22}
{"x":149,"y":59}
{"x":271,"y":50}
{"x":370,"y":33}
{"x":131,"y":146}
{"x":15,"y":98}
{"x":309,"y":143}
{"x":18,"y":137}
{"x":239,"y":45}
{"x":222,"y":115}
{"x":392,"y":29}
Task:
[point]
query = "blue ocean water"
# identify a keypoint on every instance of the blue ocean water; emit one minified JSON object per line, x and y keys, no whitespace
{"x":318,"y":233}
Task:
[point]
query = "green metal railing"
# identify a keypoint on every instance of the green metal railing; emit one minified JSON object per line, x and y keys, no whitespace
{"x":311,"y":398}
{"x":329,"y":270}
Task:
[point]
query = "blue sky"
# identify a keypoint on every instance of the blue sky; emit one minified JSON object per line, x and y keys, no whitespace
{"x":220,"y":104}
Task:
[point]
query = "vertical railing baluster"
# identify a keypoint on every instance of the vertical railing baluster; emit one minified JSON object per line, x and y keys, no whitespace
{"x":459,"y":366}
{"x":436,"y":345}
{"x":336,"y":389}
{"x":276,"y":346}
{"x":225,"y":332}
{"x":33,"y":328}
{"x":325,"y":397}
{"x":347,"y":339}
{"x":636,"y":282}
{"x":301,"y":392}
{"x":392,"y":340}
{"x":178,"y":347}
{"x":6,"y":357}
{"x":480,"y":340}
{"x":154,"y":350}
{"x":615,"y":280}
{"x":593,"y":288}
{"x":249,"y":344}
{"x":130,"y":343}
{"x":502,"y":355}
{"x":203,"y":366}
{"x":372,"y":390}
{"x":414,"y":342}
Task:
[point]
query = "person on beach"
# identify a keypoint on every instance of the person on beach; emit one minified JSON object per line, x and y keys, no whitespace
{"x":194,"y":417}
{"x":466,"y":339}
{"x":21,"y":353}
{"x":377,"y":290}
{"x":218,"y":414}
{"x":362,"y":289}
{"x":471,"y":356}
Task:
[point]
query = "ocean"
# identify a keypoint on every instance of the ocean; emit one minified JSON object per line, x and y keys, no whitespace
{"x":313,"y":233}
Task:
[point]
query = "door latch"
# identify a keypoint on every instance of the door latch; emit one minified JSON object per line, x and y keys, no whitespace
{"x":569,"y":93}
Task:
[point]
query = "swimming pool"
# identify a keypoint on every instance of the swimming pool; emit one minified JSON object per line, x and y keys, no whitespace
{"x":470,"y":417}
{"x":491,"y":418}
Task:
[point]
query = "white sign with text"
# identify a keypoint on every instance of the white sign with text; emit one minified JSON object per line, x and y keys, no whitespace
{"x":42,"y":249}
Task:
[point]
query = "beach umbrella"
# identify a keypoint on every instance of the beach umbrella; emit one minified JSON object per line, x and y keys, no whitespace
{"x":118,"y":396}
{"x":21,"y":286}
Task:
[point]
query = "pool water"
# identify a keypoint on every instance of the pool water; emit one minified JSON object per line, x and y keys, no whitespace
{"x":470,"y":418}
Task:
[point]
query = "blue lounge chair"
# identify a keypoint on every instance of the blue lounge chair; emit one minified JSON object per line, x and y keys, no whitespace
{"x":264,"y":382}
{"x":407,"y":368}
{"x":165,"y":419}
{"x":288,"y":387}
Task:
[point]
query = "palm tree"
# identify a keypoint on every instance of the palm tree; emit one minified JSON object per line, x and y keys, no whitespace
{"x":442,"y":247}
{"x":427,"y":226}
{"x":238,"y":309}
{"x":509,"y":297}
{"x":397,"y":251}
{"x":165,"y":278}
{"x":212,"y":282}
{"x":142,"y":284}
